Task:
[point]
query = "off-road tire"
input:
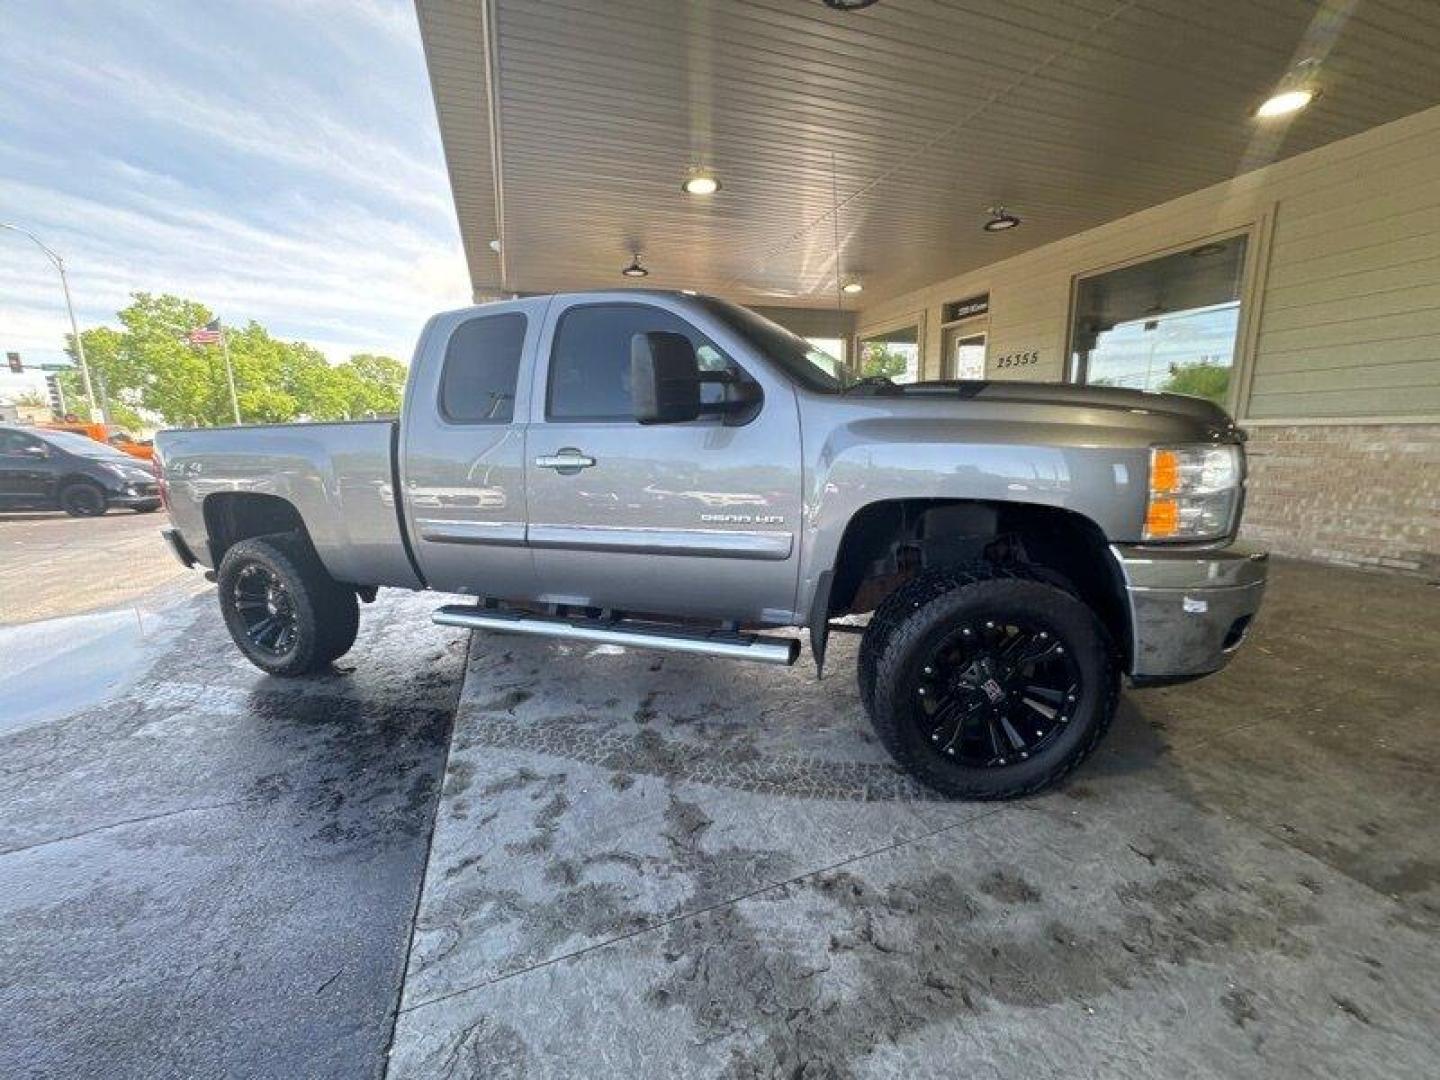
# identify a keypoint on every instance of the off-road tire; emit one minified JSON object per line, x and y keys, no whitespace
{"x":916,"y":618}
{"x":81,"y":498}
{"x":326,"y":614}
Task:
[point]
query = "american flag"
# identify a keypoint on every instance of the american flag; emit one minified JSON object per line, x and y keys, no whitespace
{"x":209,"y":334}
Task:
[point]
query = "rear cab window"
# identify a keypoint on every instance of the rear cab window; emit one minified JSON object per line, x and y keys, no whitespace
{"x":481,"y":368}
{"x":590,"y":360}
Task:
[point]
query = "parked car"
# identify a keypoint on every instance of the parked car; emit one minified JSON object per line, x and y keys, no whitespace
{"x":109,"y":434}
{"x":59,"y":470}
{"x":676,"y":472}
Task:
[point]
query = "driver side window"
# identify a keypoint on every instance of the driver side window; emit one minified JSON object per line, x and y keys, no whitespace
{"x":590,"y":359}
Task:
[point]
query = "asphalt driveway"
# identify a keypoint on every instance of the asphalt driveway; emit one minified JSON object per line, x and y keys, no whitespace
{"x":213,"y":873}
{"x":53,"y":565}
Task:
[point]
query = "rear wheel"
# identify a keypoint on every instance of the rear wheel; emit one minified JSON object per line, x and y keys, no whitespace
{"x":82,"y":499}
{"x":990,"y":686}
{"x":284,"y":611}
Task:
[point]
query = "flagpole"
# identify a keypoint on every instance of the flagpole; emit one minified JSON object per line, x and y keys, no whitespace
{"x":229,"y":374}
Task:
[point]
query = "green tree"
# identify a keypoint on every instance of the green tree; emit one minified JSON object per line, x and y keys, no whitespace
{"x":375,"y":384}
{"x":31,"y":400}
{"x":877,"y":358}
{"x":149,"y":366}
{"x":1199,"y":380}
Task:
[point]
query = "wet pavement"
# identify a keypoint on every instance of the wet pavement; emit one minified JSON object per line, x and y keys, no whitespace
{"x":208,"y":872}
{"x":661,"y":867}
{"x":664,"y":866}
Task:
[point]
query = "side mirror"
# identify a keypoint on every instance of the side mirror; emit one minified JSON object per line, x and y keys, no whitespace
{"x":35,"y":452}
{"x":664,"y":378}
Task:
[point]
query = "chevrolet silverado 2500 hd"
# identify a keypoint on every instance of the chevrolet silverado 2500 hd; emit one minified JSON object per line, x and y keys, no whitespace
{"x":673,"y":471}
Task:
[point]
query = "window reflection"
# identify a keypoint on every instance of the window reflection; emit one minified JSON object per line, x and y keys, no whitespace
{"x":1167,"y":324}
{"x":894,"y":355}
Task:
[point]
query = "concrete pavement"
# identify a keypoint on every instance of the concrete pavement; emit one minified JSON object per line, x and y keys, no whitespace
{"x":647,"y":867}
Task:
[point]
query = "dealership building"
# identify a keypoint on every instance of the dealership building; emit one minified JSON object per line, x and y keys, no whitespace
{"x":1240,"y":201}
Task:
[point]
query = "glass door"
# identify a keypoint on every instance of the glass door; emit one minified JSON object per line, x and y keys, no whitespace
{"x":964,"y":353}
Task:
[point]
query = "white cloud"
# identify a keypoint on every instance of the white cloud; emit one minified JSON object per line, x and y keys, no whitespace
{"x":283,"y":166}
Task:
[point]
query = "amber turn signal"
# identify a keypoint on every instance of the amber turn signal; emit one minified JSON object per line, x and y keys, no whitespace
{"x":1164,"y":472}
{"x":1162,"y":519}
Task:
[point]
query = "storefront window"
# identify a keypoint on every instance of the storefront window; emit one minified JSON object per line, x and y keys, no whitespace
{"x":1168,"y":324}
{"x":894,"y":354}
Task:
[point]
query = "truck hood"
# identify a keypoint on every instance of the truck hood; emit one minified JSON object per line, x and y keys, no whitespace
{"x":1059,"y":402}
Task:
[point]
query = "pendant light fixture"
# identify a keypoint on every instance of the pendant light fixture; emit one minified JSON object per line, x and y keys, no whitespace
{"x":1001,"y":220}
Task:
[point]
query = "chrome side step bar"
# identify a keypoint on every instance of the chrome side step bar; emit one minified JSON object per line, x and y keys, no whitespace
{"x":633,"y":634}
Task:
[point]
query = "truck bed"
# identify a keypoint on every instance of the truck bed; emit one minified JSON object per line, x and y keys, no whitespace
{"x":339,"y":476}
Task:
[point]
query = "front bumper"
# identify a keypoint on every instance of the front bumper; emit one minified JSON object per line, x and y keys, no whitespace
{"x":135,"y":502}
{"x":1190,"y":608}
{"x":142,"y":494}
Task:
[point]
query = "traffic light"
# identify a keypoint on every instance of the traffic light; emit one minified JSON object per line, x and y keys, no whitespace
{"x":57,"y":395}
{"x":15,"y":365}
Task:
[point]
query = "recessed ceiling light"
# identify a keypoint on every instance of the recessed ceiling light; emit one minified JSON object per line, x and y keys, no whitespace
{"x":700,"y":183}
{"x":635,"y":269}
{"x":495,"y":246}
{"x":1285,"y":103}
{"x":852,"y":287}
{"x":1000,"y":220}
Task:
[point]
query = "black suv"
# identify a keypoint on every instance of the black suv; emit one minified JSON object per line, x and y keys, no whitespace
{"x":58,"y":470}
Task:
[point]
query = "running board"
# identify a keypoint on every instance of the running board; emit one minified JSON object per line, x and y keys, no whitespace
{"x":700,"y":641}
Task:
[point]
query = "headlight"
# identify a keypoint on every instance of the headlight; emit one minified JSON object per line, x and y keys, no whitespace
{"x":1194,"y":491}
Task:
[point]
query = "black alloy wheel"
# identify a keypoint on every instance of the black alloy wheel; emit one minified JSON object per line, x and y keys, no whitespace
{"x":266,"y":609}
{"x":288,"y":616}
{"x":988,"y":682}
{"x":995,"y":693}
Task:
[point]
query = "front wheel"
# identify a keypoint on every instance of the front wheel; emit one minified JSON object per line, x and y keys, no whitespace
{"x":284,"y":611}
{"x":992,"y":686}
{"x":82,"y":499}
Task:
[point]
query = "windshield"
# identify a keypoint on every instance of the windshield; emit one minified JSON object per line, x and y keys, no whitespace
{"x":812,"y":368}
{"x":85,"y":447}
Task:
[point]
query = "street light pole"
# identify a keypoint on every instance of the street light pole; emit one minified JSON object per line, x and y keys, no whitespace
{"x":69,"y":308}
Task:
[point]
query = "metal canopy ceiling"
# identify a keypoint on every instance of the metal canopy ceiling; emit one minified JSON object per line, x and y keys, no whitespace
{"x":569,"y":126}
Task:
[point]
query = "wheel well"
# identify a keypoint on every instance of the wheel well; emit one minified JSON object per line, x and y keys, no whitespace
{"x":887,"y":543}
{"x":78,"y":478}
{"x":232,"y":516}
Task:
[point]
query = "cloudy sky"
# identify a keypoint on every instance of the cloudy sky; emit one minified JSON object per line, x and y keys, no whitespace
{"x":275,"y":159}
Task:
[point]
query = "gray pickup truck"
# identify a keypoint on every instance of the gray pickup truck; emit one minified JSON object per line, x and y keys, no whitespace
{"x":672,"y":471}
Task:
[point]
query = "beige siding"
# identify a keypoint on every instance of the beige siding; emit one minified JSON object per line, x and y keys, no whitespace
{"x":1342,"y":311}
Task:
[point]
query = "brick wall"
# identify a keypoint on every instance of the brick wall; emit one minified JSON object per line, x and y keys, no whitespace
{"x":1353,"y":494}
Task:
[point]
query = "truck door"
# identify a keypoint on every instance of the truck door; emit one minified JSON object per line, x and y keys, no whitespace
{"x":700,"y":518}
{"x":462,"y":456}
